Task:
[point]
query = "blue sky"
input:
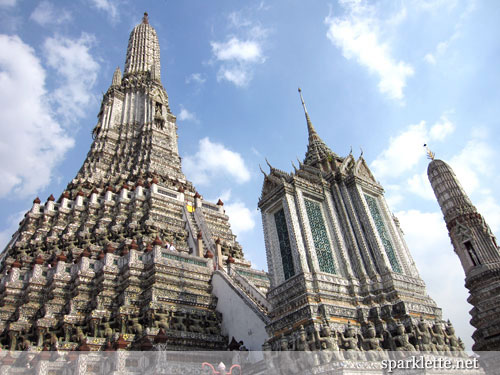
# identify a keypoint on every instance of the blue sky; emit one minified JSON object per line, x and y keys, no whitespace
{"x":384,"y":76}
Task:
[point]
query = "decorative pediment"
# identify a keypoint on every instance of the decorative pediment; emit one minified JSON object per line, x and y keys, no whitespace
{"x":361,"y":170}
{"x":348,"y":165}
{"x":270,"y":183}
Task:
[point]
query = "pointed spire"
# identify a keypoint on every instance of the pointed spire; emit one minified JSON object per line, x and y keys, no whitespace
{"x":317,"y":150}
{"x":310,"y":127}
{"x":117,"y":77}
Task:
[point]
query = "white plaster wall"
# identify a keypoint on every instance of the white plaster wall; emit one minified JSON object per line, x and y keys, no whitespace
{"x":238,"y":319}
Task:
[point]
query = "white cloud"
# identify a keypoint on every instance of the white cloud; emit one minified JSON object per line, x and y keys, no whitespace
{"x":358,"y":34}
{"x":242,"y":219}
{"x":474,"y":160}
{"x":238,"y":57}
{"x":442,"y":47}
{"x":430,"y":58}
{"x":108,"y":6}
{"x":7,"y":3}
{"x":441,"y":129}
{"x":76,"y":73}
{"x":256,"y":152}
{"x":419,"y":185}
{"x":214,"y":160}
{"x":263,"y":6}
{"x":439,"y":266}
{"x":31,"y":140}
{"x":406,"y":149}
{"x":237,"y":20}
{"x":45,"y":14}
{"x":185,"y":115}
{"x":403,"y":153}
{"x":434,"y":6}
{"x":393,"y":195}
{"x":236,"y":75}
{"x":196,"y":78}
{"x":239,"y":53}
{"x":224,"y":196}
{"x":235,"y":49}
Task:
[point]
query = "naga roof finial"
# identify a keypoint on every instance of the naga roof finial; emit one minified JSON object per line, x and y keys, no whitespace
{"x":430,"y":154}
{"x":269,"y":164}
{"x":264,"y":173}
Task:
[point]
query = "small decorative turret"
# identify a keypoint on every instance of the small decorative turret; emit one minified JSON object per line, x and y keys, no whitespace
{"x":477,"y":249}
{"x":117,"y":77}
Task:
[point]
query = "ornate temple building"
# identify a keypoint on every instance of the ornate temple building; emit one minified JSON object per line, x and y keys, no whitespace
{"x":131,"y":255}
{"x":338,"y":261}
{"x":477,"y":248}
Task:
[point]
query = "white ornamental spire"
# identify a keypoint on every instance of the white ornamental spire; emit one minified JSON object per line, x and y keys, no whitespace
{"x":143,"y":52}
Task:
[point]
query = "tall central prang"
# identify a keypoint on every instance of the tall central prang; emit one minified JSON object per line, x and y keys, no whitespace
{"x":136,"y":133}
{"x":124,"y":258}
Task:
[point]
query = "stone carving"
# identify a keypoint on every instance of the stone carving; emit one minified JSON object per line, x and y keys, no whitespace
{"x":301,"y":343}
{"x":400,"y":340}
{"x":451,"y":338}
{"x":372,"y":343}
{"x":194,"y":323}
{"x":134,"y":326}
{"x":349,"y":339}
{"x":178,"y":321}
{"x":439,"y":337}
{"x":328,"y":344}
{"x":424,"y":336}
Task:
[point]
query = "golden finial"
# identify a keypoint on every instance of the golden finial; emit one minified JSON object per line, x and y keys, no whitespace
{"x":430,"y":154}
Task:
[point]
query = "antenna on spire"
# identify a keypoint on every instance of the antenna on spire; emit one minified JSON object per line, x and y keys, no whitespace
{"x":430,"y":154}
{"x":145,"y":19}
